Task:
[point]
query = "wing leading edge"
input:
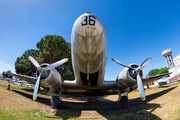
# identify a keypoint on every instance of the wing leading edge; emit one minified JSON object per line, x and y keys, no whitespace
{"x":113,"y":84}
{"x":154,"y":78}
{"x":28,"y":79}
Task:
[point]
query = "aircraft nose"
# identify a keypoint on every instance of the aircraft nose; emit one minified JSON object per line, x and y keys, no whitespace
{"x":88,"y":25}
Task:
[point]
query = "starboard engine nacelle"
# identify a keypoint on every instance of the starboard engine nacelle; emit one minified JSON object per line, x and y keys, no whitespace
{"x":128,"y":77}
{"x":50,"y":78}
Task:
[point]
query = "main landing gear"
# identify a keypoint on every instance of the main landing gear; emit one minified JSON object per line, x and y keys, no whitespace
{"x":123,"y":100}
{"x":56,"y":99}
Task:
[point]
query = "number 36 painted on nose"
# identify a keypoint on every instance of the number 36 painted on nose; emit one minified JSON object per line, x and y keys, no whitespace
{"x":91,"y":20}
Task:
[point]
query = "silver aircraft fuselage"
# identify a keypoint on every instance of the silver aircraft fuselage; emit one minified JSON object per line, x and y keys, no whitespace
{"x":89,"y":50}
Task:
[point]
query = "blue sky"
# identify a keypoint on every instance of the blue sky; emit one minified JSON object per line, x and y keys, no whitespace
{"x":135,"y":29}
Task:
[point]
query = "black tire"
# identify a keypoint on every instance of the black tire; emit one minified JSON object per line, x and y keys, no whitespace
{"x":54,"y":101}
{"x":124,"y":101}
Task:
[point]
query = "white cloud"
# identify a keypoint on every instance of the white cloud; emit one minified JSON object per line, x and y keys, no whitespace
{"x":6,"y":66}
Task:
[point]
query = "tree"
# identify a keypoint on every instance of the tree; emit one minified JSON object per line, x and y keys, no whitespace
{"x":54,"y":48}
{"x":6,"y":74}
{"x":163,"y":71}
{"x":153,"y":72}
{"x":24,"y":66}
{"x":9,"y":76}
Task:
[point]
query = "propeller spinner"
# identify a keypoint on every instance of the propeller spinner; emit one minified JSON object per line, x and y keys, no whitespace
{"x":41,"y":70}
{"x":137,"y":70}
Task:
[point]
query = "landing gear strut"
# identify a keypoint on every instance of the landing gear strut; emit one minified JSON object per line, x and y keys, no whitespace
{"x":123,"y":101}
{"x":56,"y":99}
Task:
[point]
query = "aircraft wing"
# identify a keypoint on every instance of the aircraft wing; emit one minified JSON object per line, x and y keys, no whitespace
{"x":113,"y":84}
{"x":108,"y":84}
{"x":28,"y":79}
{"x":70,"y":84}
{"x":153,"y":78}
{"x":74,"y":85}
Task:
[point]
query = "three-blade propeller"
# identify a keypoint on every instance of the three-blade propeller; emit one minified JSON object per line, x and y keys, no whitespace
{"x":41,"y":70}
{"x":137,"y":70}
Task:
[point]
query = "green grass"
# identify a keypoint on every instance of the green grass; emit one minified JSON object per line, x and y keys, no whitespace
{"x":23,"y":89}
{"x":6,"y":116}
{"x":26,"y":114}
{"x":31,"y":91}
{"x":27,"y":90}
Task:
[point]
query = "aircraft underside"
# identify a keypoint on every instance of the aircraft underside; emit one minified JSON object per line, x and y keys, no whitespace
{"x":93,"y":79}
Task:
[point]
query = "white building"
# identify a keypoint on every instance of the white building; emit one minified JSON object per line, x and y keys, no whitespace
{"x":177,"y":63}
{"x":168,"y":58}
{"x":176,"y":68}
{"x":172,"y":63}
{"x":14,"y":78}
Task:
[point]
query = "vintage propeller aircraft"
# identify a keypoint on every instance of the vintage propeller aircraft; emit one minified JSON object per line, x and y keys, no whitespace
{"x":89,"y":53}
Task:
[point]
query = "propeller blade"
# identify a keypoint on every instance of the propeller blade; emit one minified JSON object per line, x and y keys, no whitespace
{"x":141,"y":87}
{"x":36,"y":88}
{"x":121,"y":63}
{"x":145,"y":62}
{"x":34,"y":62}
{"x":56,"y":64}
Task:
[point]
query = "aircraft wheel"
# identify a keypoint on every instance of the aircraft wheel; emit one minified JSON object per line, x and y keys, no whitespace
{"x":54,"y":102}
{"x":124,"y":103}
